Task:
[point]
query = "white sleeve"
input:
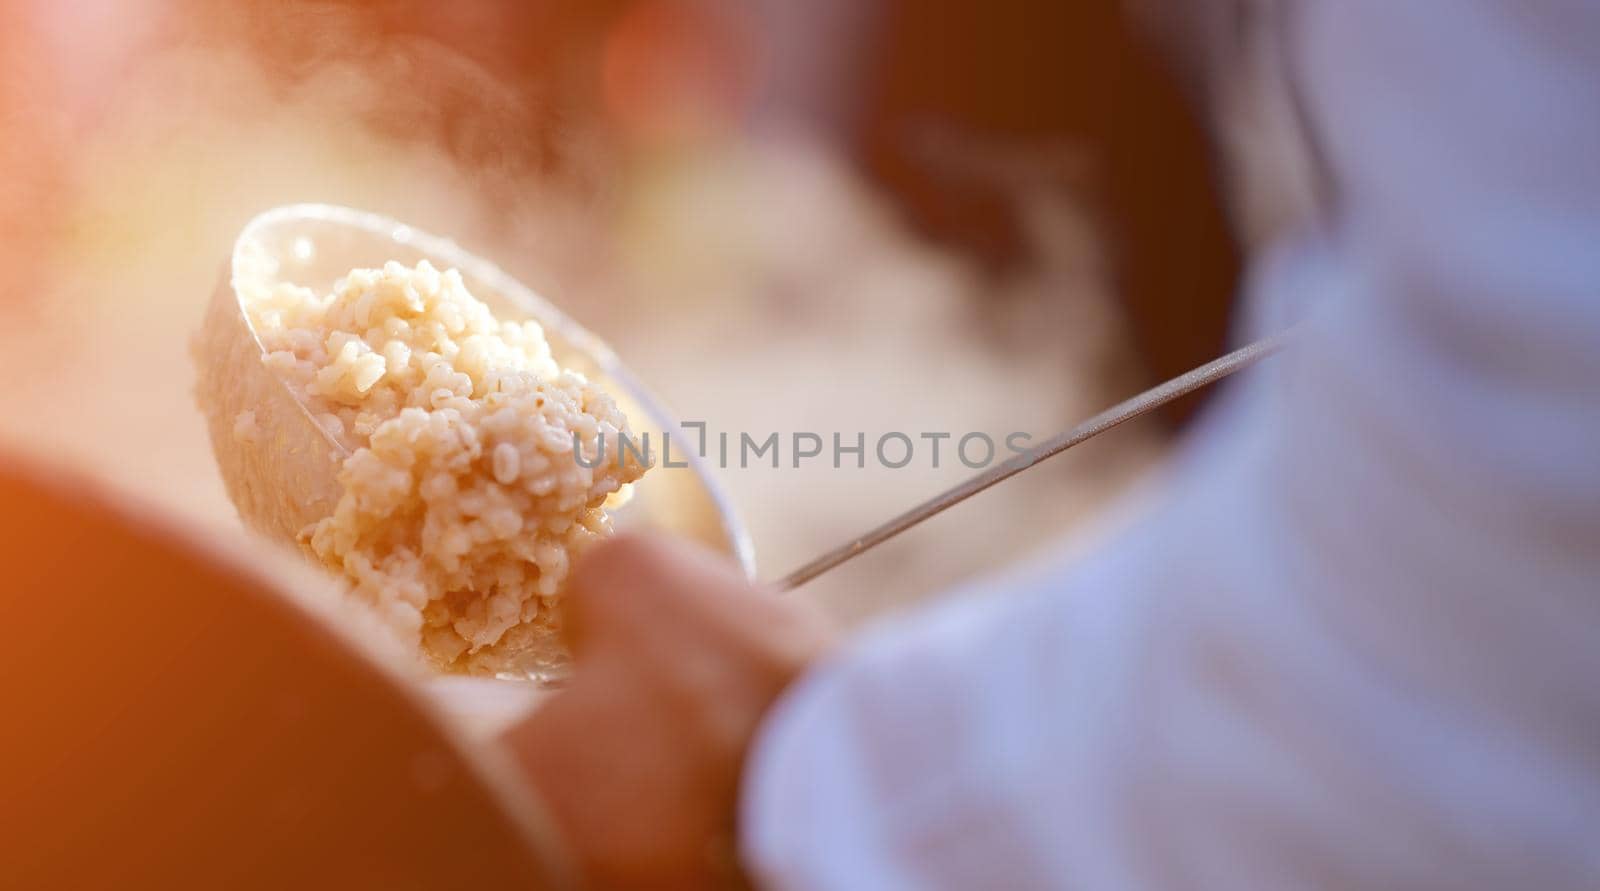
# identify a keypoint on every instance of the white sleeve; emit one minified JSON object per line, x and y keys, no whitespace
{"x":1357,"y":643}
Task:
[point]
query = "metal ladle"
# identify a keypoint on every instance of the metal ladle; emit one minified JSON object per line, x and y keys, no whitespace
{"x":286,"y":479}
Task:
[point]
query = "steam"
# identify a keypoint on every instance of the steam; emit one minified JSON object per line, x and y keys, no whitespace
{"x":756,"y":284}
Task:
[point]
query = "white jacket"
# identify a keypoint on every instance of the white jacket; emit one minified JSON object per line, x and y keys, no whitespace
{"x":1356,"y":644}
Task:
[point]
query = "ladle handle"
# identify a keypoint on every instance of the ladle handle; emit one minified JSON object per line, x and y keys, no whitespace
{"x":1143,"y":403}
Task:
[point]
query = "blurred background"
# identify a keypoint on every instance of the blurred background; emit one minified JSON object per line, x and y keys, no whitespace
{"x":836,"y":215}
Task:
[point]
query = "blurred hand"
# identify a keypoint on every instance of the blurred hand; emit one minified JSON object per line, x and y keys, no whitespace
{"x":639,"y":757}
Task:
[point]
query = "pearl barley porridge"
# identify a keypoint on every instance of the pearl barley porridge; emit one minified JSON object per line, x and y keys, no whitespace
{"x":463,"y":503}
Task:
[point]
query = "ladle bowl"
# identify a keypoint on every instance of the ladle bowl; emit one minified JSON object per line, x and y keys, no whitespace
{"x":280,"y":466}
